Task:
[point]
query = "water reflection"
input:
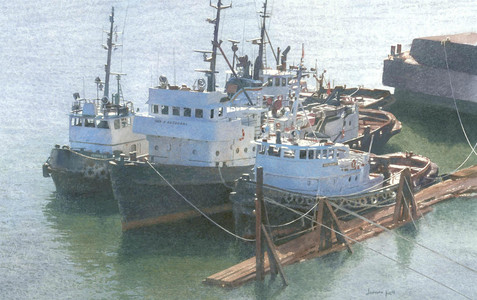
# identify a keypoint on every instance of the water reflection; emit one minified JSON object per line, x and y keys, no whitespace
{"x":406,"y":247}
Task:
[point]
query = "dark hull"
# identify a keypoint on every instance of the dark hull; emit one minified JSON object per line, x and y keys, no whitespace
{"x":382,"y":126}
{"x":77,"y":175}
{"x":146,"y":199}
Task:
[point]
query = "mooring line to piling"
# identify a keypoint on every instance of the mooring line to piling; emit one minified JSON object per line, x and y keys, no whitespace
{"x":293,"y":221}
{"x":223,"y":180}
{"x":378,"y":252}
{"x":453,"y":97}
{"x":400,"y":236}
{"x":196,"y":208}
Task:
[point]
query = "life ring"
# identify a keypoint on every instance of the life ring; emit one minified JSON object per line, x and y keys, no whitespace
{"x":277,"y":125}
{"x":353,"y":164}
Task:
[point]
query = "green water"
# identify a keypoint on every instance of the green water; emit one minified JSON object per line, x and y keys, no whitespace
{"x":53,"y":249}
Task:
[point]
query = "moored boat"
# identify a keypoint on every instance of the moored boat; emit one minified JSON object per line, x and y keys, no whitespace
{"x":298,"y":171}
{"x":199,"y":143}
{"x":99,"y":129}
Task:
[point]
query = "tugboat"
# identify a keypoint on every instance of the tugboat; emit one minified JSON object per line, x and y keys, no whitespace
{"x":199,"y":143}
{"x":297,"y":171}
{"x":98,"y":130}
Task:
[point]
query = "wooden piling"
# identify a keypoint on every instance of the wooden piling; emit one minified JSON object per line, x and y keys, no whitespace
{"x":258,"y":225}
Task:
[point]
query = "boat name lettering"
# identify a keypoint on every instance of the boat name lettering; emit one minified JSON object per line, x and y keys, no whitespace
{"x":171,"y":122}
{"x":330,"y":164}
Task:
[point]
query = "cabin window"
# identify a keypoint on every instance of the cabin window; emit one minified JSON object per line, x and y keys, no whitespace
{"x":211,"y":113}
{"x":155,"y":109}
{"x":274,"y":151}
{"x":325,"y":154}
{"x":117,"y":124}
{"x":318,"y":154}
{"x":261,"y":149}
{"x":330,"y":154}
{"x":164,"y":109}
{"x":187,"y":112}
{"x":199,"y":113}
{"x":349,"y":123}
{"x":76,"y":122}
{"x":302,"y":154}
{"x":270,"y":82}
{"x":89,"y":122}
{"x":284,"y":81}
{"x":176,"y":111}
{"x":221,"y":111}
{"x":277,"y":81}
{"x":311,"y":154}
{"x":102,"y":124}
{"x":287,"y":153}
{"x":133,"y":148}
{"x":349,"y":179}
{"x":125,"y":122}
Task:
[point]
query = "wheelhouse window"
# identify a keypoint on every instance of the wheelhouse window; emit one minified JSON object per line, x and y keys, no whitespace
{"x":187,"y":112}
{"x":284,"y":81}
{"x":221,"y":111}
{"x":325,"y":154}
{"x":274,"y":151}
{"x":311,"y":154}
{"x":211,"y":113}
{"x":102,"y":124}
{"x":164,"y":109}
{"x":318,"y":154}
{"x":277,"y":81}
{"x":176,"y":111}
{"x":270,"y":82}
{"x":330,"y":154}
{"x":261,"y":149}
{"x":302,"y":154}
{"x":155,"y":109}
{"x":199,"y":113}
{"x":288,"y":153}
{"x":89,"y":122}
{"x":76,"y":122}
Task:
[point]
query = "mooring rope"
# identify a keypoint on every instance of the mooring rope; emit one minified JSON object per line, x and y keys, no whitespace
{"x":196,"y":208}
{"x":223,"y":180}
{"x":453,"y":97}
{"x":302,"y":215}
{"x":384,"y":255}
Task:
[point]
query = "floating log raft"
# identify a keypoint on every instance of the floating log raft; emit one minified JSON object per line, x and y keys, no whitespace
{"x":462,"y":183}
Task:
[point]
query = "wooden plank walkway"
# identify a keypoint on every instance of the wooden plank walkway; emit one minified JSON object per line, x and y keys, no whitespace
{"x":462,"y":183}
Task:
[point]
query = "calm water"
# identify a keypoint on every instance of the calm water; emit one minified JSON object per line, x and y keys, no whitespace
{"x":51,"y":249}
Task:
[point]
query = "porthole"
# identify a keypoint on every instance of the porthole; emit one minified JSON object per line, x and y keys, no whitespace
{"x":253,"y":149}
{"x":237,"y":150}
{"x":194,"y":151}
{"x":349,"y":179}
{"x":217,"y":153}
{"x":156,"y":147}
{"x":245,"y":150}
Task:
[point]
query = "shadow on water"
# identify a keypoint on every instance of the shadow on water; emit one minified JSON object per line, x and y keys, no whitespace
{"x":194,"y":237}
{"x":434,"y":122}
{"x":405,"y":248}
{"x":96,"y":206}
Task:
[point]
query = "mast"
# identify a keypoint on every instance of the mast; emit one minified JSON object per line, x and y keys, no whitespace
{"x":259,"y":61}
{"x":211,"y":77}
{"x":109,"y":47}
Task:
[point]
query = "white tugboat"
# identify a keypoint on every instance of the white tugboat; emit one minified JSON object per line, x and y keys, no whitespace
{"x":98,"y":130}
{"x":298,"y":170}
{"x":199,"y":143}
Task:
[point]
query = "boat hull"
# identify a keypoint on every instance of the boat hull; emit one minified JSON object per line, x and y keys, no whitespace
{"x":78,"y":175}
{"x":146,"y":199}
{"x":279,"y":204}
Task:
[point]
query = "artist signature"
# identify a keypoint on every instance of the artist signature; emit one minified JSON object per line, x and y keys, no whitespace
{"x":385,"y":293}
